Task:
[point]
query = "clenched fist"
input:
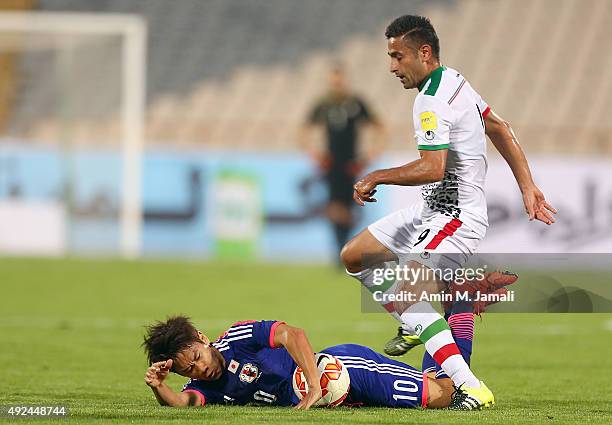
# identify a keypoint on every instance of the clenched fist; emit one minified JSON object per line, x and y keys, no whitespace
{"x":364,"y":190}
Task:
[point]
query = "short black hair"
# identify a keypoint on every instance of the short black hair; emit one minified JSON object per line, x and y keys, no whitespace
{"x":164,"y":340}
{"x":418,"y":29}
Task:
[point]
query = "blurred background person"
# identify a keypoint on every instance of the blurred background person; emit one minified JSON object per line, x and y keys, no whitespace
{"x":344,"y":116}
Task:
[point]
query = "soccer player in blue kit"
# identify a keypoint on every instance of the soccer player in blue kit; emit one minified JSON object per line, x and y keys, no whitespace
{"x":253,"y":362}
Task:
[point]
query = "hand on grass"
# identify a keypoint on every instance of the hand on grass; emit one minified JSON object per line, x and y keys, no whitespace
{"x":314,"y":394}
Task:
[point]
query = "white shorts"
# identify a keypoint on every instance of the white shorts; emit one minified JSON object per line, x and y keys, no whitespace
{"x":438,"y":241}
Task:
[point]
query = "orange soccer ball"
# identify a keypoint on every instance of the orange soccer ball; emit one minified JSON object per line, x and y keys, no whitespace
{"x":335,"y":381}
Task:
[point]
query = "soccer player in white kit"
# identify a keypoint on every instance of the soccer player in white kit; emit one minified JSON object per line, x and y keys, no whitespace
{"x":450,"y":120}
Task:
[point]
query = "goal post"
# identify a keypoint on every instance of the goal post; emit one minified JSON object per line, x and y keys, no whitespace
{"x":132,"y":31}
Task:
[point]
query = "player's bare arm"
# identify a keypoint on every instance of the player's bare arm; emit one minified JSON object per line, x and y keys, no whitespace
{"x":428,"y":168}
{"x":296,"y":343}
{"x":155,"y":377}
{"x":501,"y":134}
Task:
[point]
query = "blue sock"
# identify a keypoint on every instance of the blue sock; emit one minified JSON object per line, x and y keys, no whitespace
{"x":461,"y":322}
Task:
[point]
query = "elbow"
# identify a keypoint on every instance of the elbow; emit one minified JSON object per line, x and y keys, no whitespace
{"x":431,"y":167}
{"x":505,"y":130}
{"x":298,"y":333}
{"x":289,"y":335}
{"x":435,"y":174}
{"x":438,"y":175}
{"x":498,"y":130}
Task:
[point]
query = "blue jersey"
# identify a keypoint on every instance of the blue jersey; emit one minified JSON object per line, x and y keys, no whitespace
{"x":258,"y":372}
{"x":255,"y":370}
{"x":377,"y":380}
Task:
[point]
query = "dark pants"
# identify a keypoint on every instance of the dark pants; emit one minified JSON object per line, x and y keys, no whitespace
{"x":340,"y":208}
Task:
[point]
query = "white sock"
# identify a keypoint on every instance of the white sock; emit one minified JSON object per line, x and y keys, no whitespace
{"x":423,"y":320}
{"x":367,"y":279}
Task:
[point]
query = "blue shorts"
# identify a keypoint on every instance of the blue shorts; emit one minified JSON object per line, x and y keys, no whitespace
{"x":377,"y":380}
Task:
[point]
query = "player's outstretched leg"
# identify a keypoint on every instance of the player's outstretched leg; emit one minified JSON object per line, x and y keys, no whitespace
{"x":433,"y":330}
{"x":417,"y":318}
{"x":460,"y":318}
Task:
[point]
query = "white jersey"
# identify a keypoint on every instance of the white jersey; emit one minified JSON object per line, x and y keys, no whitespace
{"x":449,"y":114}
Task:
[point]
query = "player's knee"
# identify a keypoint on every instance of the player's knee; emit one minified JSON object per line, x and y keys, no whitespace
{"x":350,"y":257}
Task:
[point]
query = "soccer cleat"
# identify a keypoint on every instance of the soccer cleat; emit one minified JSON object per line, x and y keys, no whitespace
{"x":401,"y":343}
{"x":469,"y":398}
{"x":492,"y":283}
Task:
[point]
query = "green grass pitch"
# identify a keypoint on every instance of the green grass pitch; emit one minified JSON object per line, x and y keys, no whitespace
{"x":71,"y":331}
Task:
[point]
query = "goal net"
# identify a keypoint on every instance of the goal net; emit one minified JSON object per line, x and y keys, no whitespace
{"x":72,"y":98}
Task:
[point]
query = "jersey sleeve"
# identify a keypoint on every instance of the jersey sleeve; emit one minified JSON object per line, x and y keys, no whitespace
{"x":251,"y":335}
{"x":432,"y":123}
{"x":483,"y":106}
{"x":206,"y":395}
{"x":264,"y":332}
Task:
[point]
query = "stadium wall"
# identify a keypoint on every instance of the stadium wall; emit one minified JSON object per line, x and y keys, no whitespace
{"x":265,"y":206}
